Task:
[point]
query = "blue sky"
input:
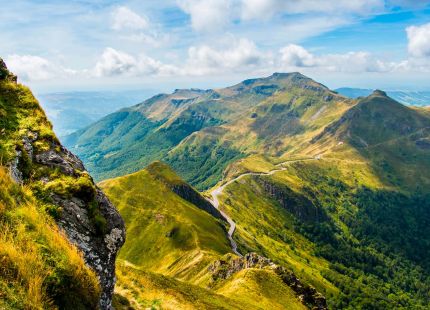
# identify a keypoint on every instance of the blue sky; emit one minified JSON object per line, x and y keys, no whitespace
{"x":58,"y":45}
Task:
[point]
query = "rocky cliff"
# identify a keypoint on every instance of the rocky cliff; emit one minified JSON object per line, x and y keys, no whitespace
{"x":298,"y":205}
{"x":58,"y":178}
{"x":224,"y":269}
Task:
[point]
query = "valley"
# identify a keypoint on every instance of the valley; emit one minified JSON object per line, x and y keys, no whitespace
{"x":274,"y":193}
{"x":293,"y":173}
{"x":215,"y":155}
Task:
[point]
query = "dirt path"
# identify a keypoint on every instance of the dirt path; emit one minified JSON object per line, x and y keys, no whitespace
{"x":218,"y":191}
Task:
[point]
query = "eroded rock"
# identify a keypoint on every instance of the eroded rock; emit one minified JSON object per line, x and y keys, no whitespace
{"x":99,"y":245}
{"x":309,"y":296}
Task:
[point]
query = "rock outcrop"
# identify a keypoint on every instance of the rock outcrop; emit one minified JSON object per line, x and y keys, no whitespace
{"x":59,"y":179}
{"x":5,"y":74}
{"x":186,"y":192}
{"x":98,"y":242}
{"x":224,"y":269}
{"x":298,"y":205}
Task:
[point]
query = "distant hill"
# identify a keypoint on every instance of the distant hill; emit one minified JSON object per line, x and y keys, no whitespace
{"x":205,"y":130}
{"x":71,"y":111}
{"x":414,"y":98}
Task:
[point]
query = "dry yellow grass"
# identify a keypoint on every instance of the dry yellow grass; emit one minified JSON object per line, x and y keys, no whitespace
{"x":37,"y":262}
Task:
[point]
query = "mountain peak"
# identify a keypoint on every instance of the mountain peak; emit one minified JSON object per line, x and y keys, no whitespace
{"x":284,"y":74}
{"x":379,"y":93}
{"x":5,"y":74}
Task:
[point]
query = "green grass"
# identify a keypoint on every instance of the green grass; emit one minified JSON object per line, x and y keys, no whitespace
{"x":261,"y":289}
{"x":39,"y":268}
{"x":170,"y":239}
{"x":143,"y":289}
{"x":368,"y":226}
{"x":165,"y":233}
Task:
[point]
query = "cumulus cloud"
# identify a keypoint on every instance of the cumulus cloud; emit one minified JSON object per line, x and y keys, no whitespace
{"x":241,"y":56}
{"x":295,"y":56}
{"x":207,"y":15}
{"x":124,"y":18}
{"x":419,"y":40}
{"x":117,"y":63}
{"x":35,"y":68}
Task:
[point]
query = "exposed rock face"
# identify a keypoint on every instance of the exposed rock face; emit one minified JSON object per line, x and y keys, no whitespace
{"x":99,"y":246}
{"x":188,"y":193}
{"x":88,"y":218}
{"x":5,"y":74}
{"x":308,"y":295}
{"x":298,"y":205}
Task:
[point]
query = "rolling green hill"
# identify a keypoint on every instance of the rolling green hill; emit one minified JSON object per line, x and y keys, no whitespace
{"x":172,"y":244}
{"x":166,"y":233}
{"x":334,"y":189}
{"x":190,"y":129}
{"x":349,"y":205}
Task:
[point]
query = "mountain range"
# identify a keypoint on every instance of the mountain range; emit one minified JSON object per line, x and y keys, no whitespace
{"x":274,"y":193}
{"x":334,"y":188}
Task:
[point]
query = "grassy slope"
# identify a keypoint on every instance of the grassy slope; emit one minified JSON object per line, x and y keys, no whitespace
{"x":374,"y":194}
{"x":166,"y":233}
{"x":143,"y":289}
{"x":330,"y":255}
{"x":38,"y":264}
{"x":39,"y":268}
{"x":208,"y":129}
{"x":248,"y":289}
{"x":170,"y":239}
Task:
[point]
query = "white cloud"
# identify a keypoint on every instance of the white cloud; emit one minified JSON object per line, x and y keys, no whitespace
{"x":295,"y":56}
{"x":419,"y":40}
{"x":35,"y":68}
{"x":124,"y":18}
{"x":117,"y":63}
{"x":208,"y":15}
{"x":260,"y":9}
{"x":241,"y":56}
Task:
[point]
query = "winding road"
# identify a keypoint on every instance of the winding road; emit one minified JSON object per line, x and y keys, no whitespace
{"x":218,"y":191}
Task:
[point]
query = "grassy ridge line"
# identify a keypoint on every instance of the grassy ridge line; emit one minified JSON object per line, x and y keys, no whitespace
{"x":215,"y":193}
{"x":167,"y":234}
{"x":171,"y":243}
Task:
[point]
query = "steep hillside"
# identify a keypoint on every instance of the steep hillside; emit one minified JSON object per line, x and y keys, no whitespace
{"x":345,"y":207}
{"x":61,"y":187}
{"x":212,"y":128}
{"x":46,"y":274}
{"x":392,"y":138}
{"x":173,"y":236}
{"x":166,"y":233}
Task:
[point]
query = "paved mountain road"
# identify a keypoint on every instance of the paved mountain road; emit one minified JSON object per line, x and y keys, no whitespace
{"x":218,"y":191}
